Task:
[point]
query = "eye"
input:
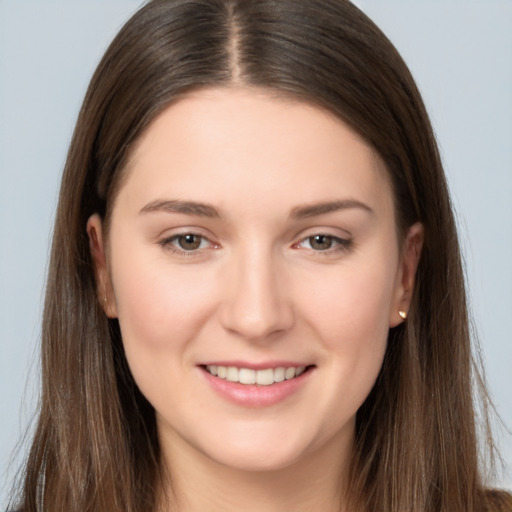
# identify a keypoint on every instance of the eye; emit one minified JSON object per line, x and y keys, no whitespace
{"x":186,"y":243}
{"x":320,"y":242}
{"x":325,"y":243}
{"x":189,"y":242}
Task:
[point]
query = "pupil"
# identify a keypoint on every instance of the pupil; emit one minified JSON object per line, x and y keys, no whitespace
{"x":321,"y":242}
{"x":189,"y":242}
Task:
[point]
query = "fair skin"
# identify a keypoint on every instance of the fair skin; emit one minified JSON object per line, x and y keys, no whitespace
{"x":254,"y":232}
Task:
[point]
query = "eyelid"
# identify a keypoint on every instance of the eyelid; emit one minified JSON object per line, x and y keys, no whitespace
{"x":167,"y":242}
{"x":340,"y":243}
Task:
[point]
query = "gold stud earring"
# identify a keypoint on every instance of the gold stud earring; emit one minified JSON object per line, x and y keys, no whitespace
{"x":402,"y":314}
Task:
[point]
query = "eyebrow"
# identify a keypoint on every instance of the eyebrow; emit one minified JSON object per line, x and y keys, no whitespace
{"x":312,"y":210}
{"x":207,"y":210}
{"x":185,"y":207}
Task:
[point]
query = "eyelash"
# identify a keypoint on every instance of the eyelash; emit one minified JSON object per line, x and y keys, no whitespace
{"x":337,"y":244}
{"x":168,"y":244}
{"x":340,"y":244}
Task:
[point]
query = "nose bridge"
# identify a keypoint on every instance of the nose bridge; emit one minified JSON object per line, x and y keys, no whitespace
{"x":256,"y":304}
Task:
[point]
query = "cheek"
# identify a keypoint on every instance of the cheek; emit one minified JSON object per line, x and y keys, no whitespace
{"x":160,"y":307}
{"x":351,"y":318}
{"x":354,"y":305}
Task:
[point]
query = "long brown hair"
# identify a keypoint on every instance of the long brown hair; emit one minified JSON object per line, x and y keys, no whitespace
{"x":96,"y":445}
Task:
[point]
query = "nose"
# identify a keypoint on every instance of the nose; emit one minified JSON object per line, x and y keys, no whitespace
{"x":256,"y":305}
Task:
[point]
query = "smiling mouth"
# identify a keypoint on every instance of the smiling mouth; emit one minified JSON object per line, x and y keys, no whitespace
{"x":248,"y":376}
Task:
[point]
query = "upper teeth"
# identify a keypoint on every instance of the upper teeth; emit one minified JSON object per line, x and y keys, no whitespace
{"x":262,"y":377}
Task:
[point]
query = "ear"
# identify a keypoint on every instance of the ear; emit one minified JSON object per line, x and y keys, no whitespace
{"x":103,"y":283}
{"x":404,"y":285}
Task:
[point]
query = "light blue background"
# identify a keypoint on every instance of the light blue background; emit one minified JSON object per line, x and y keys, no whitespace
{"x":461,"y":55}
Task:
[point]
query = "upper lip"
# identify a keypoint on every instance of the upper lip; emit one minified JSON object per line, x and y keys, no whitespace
{"x":257,"y":366}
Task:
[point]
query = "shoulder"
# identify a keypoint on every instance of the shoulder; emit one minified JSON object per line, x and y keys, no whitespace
{"x":498,"y":501}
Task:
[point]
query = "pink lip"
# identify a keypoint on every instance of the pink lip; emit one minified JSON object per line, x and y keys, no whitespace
{"x":252,"y":395}
{"x":256,"y":366}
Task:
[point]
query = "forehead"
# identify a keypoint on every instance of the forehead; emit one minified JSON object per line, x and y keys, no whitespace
{"x":220,"y":145}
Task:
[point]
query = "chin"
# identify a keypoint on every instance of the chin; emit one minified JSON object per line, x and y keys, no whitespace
{"x":260,"y":450}
{"x":253,"y":459}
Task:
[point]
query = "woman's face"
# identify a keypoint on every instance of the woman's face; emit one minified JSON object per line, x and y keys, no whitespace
{"x":253,"y":240}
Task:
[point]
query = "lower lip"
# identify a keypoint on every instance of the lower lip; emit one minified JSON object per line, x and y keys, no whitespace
{"x":251,"y":395}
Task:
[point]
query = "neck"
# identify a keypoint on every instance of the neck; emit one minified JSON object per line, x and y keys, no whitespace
{"x":197,"y":483}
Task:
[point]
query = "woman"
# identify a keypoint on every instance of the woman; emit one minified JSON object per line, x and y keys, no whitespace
{"x":255,"y":296}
